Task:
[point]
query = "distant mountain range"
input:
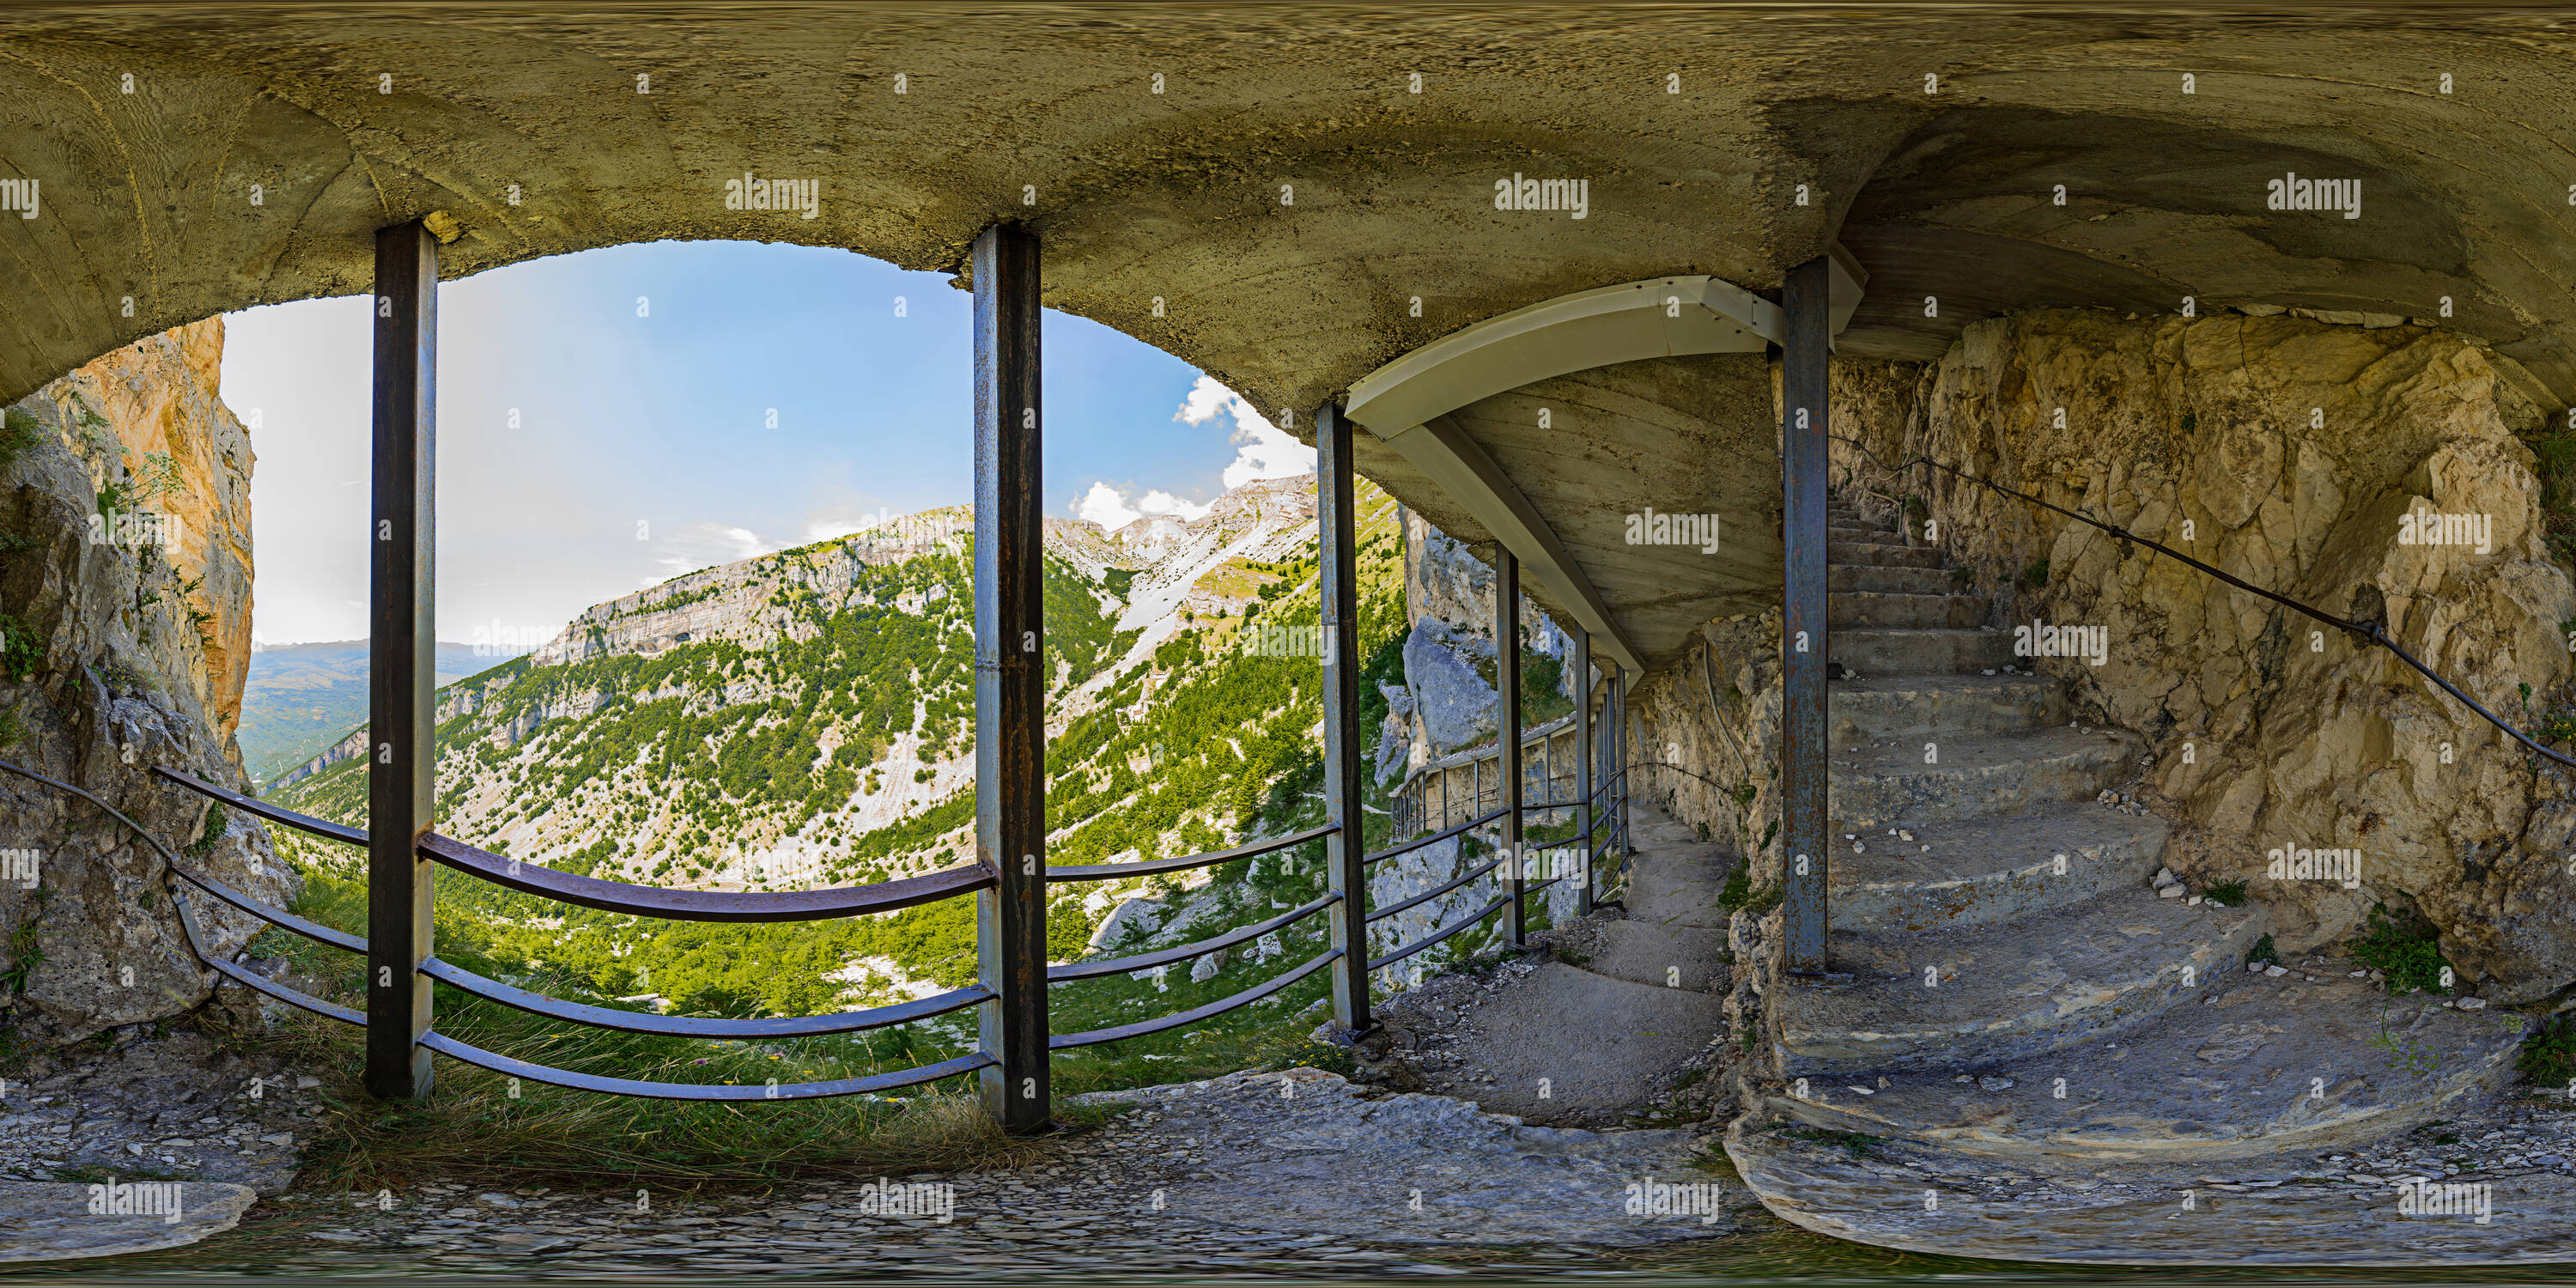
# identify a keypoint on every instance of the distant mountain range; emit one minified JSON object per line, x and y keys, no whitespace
{"x":807,"y":717}
{"x":302,"y":698}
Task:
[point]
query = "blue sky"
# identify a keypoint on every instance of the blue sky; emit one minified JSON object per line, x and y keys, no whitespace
{"x":644,"y":444}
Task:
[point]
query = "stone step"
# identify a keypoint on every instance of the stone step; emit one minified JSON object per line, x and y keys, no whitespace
{"x":1882,"y":554}
{"x":1986,"y":871}
{"x":1877,"y":785}
{"x":2006,"y":993}
{"x":1691,"y":958}
{"x":1880,"y":708}
{"x":1874,"y":652}
{"x":1901,"y":581}
{"x":1872,"y":1191}
{"x":1599,"y":1044}
{"x":1861,"y":530}
{"x":2235,"y":1076}
{"x":1867,"y":609}
{"x":1671,"y":887}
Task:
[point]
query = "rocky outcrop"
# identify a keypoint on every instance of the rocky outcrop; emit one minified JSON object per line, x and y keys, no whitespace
{"x":124,"y":513}
{"x":2302,"y":457}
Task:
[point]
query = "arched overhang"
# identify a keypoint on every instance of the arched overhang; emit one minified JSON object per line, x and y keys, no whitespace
{"x":1407,"y":403}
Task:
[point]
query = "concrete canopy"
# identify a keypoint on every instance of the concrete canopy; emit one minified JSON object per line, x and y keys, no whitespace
{"x":1303,"y":215}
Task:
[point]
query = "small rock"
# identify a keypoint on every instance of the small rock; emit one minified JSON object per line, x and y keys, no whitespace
{"x":2169,"y":892}
{"x":2276,"y":971}
{"x":1989,"y":1082}
{"x":279,"y":1138}
{"x":306,"y":1082}
{"x":2473,"y":1003}
{"x":2164,"y":876}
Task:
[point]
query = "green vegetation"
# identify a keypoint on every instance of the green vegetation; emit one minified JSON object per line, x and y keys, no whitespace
{"x":2034,"y":575}
{"x":18,"y":432}
{"x":22,"y":956}
{"x":2403,"y":947}
{"x":2548,"y":1057}
{"x":22,"y":651}
{"x":2262,"y":953}
{"x":2226,"y":894}
{"x":674,"y":766}
{"x":1857,"y":1144}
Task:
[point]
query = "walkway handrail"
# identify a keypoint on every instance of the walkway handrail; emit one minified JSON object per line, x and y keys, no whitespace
{"x":1115,"y":871}
{"x":1183,"y":1019}
{"x":1442,"y":835}
{"x":621,"y":897}
{"x":2370,"y":632}
{"x":1201,"y":948}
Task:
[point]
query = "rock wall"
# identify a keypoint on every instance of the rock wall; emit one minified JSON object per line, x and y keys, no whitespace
{"x":124,"y":646}
{"x":2296,"y":455}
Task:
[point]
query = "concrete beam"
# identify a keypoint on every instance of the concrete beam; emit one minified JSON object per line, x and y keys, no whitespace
{"x":1404,"y":402}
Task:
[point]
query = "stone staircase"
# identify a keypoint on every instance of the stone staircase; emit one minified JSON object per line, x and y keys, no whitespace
{"x":1587,"y":1034}
{"x":2018,"y":1022}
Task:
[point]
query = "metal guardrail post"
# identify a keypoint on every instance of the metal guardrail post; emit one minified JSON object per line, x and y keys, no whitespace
{"x":401,"y":659}
{"x":1346,"y":850}
{"x":1010,"y":682}
{"x":1507,"y":696}
{"x":1583,"y":757}
{"x":1805,"y":645}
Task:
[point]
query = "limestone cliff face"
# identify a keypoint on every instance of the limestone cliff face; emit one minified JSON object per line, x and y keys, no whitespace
{"x":126,"y":645}
{"x":2292,"y":454}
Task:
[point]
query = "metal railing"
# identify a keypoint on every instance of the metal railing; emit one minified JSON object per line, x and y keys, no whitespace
{"x":2369,"y":631}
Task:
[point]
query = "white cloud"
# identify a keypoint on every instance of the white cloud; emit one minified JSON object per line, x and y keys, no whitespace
{"x":1109,"y":507}
{"x":704,"y":545}
{"x":1268,"y":452}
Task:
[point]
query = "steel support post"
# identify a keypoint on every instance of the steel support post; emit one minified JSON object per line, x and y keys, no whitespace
{"x":402,"y":630}
{"x":1345,"y":849}
{"x":1805,"y":645}
{"x":1507,"y":683}
{"x":1010,"y":682}
{"x":1583,"y":756}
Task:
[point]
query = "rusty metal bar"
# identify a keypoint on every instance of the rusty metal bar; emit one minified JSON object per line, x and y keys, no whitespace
{"x":401,"y":659}
{"x":1010,"y":682}
{"x":1507,"y":713}
{"x":1583,"y":756}
{"x":1345,"y":851}
{"x":1806,"y":645}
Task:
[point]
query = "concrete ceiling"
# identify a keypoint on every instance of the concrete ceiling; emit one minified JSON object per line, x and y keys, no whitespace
{"x":1045,"y":113}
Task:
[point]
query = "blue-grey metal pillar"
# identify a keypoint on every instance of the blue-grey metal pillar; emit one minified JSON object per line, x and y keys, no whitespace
{"x":1345,"y":849}
{"x":402,"y":627}
{"x":1010,"y":682}
{"x":1806,"y":303}
{"x":1507,"y":696}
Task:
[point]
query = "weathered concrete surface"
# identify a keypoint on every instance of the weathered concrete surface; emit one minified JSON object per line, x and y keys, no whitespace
{"x":50,"y":1221}
{"x":1299,"y":212}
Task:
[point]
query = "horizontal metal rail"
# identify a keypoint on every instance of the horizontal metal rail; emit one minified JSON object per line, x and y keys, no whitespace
{"x":1436,"y":936}
{"x":1166,"y":956}
{"x":252,"y":805}
{"x":687,"y":1026}
{"x":706,"y":905}
{"x":554,"y":1077}
{"x":635,"y":900}
{"x":1114,"y":871}
{"x":2370,"y":632}
{"x":1436,"y":891}
{"x":1442,"y":835}
{"x":1184,"y":1019}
